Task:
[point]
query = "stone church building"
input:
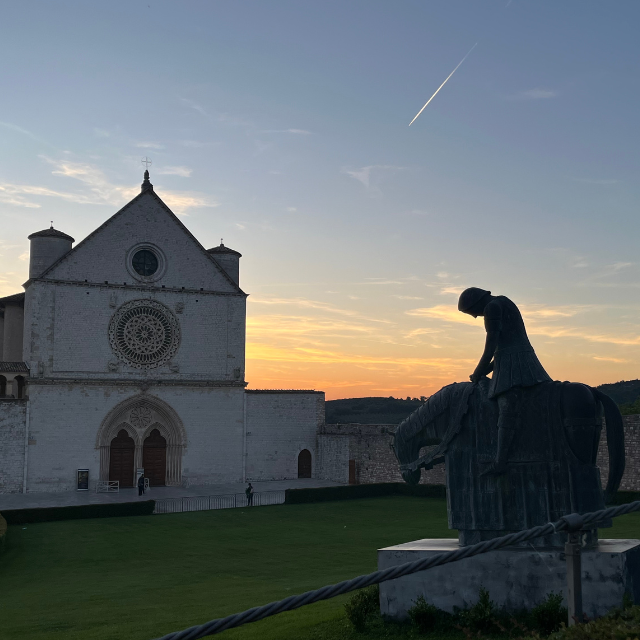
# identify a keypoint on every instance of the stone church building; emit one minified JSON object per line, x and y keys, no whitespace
{"x":127,"y":351}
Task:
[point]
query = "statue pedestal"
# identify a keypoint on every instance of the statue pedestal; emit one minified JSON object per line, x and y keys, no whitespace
{"x":516,"y":578}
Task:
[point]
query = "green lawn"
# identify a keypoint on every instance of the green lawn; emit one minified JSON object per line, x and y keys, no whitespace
{"x":142,"y":577}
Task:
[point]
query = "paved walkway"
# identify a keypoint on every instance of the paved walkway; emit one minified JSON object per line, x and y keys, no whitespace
{"x":67,"y":498}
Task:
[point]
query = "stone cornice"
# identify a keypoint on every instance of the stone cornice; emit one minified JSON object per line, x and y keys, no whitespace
{"x":129,"y":382}
{"x":136,"y":287}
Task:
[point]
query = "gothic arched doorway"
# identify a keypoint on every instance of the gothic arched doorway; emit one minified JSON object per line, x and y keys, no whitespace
{"x":304,"y":464}
{"x":121,"y":459}
{"x":153,"y":425}
{"x":154,"y":459}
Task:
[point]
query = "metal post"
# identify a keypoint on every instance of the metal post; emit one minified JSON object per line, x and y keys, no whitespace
{"x":572,"y":551}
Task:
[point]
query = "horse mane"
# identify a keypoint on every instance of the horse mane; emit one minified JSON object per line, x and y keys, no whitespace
{"x":435,"y":405}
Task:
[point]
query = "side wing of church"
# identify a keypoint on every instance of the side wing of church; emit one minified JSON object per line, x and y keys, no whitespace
{"x":127,"y":352}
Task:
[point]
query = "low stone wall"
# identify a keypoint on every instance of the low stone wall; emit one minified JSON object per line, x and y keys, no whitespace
{"x":12,"y":432}
{"x":367,"y":449}
{"x":368,"y":446}
{"x":631,"y":478}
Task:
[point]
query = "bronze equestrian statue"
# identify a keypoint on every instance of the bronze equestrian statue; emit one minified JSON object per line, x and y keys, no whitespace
{"x":519,"y":449}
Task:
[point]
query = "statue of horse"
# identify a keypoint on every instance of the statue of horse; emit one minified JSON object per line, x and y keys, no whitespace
{"x":551,"y":469}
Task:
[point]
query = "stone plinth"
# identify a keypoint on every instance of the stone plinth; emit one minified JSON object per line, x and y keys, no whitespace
{"x":516,"y":578}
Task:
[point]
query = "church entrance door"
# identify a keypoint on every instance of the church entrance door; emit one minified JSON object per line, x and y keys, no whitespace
{"x":154,"y":459}
{"x":121,"y":459}
{"x":304,"y":464}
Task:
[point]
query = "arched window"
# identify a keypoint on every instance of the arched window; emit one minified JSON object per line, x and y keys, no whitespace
{"x":3,"y":386}
{"x":19,"y":386}
{"x":304,"y":464}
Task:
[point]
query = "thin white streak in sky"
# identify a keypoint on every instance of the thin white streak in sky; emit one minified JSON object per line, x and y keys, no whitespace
{"x":442,"y":85}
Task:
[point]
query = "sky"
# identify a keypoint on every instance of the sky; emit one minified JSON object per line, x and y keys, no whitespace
{"x":282,"y":127}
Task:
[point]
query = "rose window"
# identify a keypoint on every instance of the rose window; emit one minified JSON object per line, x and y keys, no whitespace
{"x":144,"y":333}
{"x":140,"y":416}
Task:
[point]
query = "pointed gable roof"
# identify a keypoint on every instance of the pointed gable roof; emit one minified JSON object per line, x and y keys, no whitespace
{"x":146,"y":192}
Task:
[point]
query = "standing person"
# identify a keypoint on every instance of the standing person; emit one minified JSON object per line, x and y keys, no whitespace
{"x":249,"y":492}
{"x":509,"y":354}
{"x":141,"y":485}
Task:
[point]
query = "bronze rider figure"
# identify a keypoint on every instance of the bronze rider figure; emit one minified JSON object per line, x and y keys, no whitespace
{"x":509,"y":354}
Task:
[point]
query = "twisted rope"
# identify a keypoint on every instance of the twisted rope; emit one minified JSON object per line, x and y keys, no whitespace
{"x":570,"y":523}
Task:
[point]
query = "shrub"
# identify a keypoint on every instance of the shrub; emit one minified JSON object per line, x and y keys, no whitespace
{"x":617,"y":625}
{"x":426,"y":617}
{"x":550,"y":614}
{"x":3,"y":530}
{"x":483,"y":616}
{"x":361,"y":606}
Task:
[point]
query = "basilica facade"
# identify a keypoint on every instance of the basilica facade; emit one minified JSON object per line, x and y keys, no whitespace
{"x":127,"y":352}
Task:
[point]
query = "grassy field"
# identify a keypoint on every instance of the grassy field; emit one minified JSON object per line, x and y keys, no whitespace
{"x":142,"y":577}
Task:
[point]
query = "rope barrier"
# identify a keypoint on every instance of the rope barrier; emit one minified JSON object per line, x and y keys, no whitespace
{"x":571,"y":523}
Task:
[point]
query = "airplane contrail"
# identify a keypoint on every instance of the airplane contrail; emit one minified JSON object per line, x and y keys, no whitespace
{"x":442,"y":85}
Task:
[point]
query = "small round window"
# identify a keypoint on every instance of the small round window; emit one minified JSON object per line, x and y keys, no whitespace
{"x":145,"y":262}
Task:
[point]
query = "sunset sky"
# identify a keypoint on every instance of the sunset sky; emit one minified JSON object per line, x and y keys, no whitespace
{"x":282,"y":127}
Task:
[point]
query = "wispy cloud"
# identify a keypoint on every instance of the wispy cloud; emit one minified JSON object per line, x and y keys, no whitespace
{"x":299,"y":132}
{"x":193,"y":105}
{"x":602,"y":181}
{"x":149,"y":145}
{"x":454,"y":291}
{"x":363,"y":174}
{"x":535,"y":94}
{"x":616,"y":360}
{"x":17,"y":129}
{"x":184,"y":172}
{"x":98,"y":189}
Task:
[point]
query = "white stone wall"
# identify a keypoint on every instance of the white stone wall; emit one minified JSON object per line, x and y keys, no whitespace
{"x":279,"y":426}
{"x":67,"y":331}
{"x":102,"y":256}
{"x":12,"y":434}
{"x":64,"y":422}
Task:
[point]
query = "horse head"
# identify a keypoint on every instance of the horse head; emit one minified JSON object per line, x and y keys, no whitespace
{"x":424,"y":427}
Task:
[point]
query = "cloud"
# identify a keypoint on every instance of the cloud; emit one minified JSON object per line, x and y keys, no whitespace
{"x":455,"y":291}
{"x":292,"y":209}
{"x":304,"y":303}
{"x":445,"y":313}
{"x":605,"y":181}
{"x":194,"y":105}
{"x":616,"y":360}
{"x":408,"y":297}
{"x":259,"y":351}
{"x":299,"y":132}
{"x":184,"y":172}
{"x":535,"y":94}
{"x":149,"y":145}
{"x":194,"y":144}
{"x":101,"y":133}
{"x":16,"y":128}
{"x":380,"y":281}
{"x":363,"y":174}
{"x":98,"y":189}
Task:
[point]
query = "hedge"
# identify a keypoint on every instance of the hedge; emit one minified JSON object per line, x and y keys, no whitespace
{"x":624,"y":497}
{"x":3,"y":530}
{"x":354,"y":491}
{"x":76,"y":512}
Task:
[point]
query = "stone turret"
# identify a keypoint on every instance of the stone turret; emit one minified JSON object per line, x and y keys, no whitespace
{"x":47,"y":247}
{"x":229,"y":260}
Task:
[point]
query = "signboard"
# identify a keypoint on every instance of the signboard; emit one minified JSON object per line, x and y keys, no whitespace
{"x":83,"y":480}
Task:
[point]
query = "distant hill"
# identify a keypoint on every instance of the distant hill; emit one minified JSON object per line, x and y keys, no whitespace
{"x":626,"y":393}
{"x":393,"y":410}
{"x":369,"y":410}
{"x":623,"y":392}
